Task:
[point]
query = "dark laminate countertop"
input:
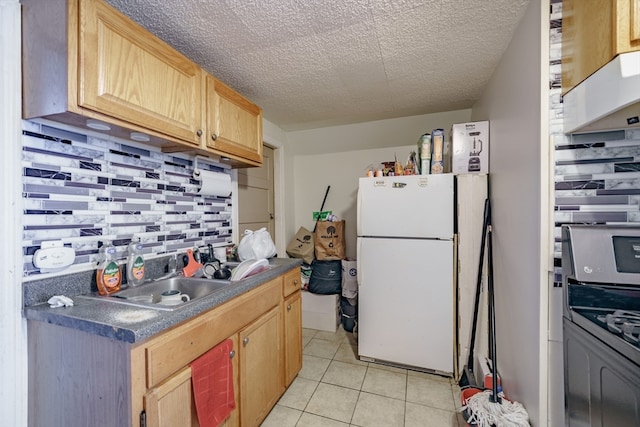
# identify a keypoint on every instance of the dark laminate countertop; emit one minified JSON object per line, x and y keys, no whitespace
{"x":134,"y":324}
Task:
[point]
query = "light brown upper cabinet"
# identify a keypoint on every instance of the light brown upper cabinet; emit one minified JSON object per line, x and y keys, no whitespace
{"x":593,"y":33}
{"x":83,"y":59}
{"x":234,"y":124}
{"x":127,"y":73}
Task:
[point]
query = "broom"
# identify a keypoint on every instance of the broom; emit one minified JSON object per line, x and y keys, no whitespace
{"x":488,"y":408}
{"x":468,"y":377}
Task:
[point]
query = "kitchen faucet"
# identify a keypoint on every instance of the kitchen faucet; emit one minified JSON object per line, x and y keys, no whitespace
{"x":172,"y":268}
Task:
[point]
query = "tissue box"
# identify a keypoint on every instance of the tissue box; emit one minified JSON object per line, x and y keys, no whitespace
{"x":470,"y":143}
{"x":320,"y":312}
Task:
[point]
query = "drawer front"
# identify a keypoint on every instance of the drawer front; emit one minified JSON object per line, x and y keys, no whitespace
{"x":292,"y":282}
{"x":178,"y":347}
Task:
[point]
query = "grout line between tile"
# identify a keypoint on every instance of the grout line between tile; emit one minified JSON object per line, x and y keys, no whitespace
{"x":360,"y":390}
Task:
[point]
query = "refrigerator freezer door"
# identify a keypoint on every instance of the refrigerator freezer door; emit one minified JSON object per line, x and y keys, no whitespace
{"x":416,"y":206}
{"x":406,"y":302}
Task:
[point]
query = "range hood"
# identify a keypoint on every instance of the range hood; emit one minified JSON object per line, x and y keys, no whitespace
{"x":608,"y":99}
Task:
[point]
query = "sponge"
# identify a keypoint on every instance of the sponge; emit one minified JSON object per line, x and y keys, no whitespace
{"x":192,"y":265}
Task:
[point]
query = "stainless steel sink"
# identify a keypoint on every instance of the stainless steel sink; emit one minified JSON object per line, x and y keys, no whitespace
{"x":149,"y":295}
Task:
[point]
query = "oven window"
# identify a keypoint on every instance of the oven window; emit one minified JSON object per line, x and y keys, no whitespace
{"x":626,"y":250}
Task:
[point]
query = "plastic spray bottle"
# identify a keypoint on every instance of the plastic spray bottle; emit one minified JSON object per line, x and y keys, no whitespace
{"x":108,"y":274}
{"x":135,"y":264}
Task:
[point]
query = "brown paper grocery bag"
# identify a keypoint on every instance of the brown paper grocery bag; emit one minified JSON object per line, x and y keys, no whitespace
{"x":330,"y":241}
{"x":302,"y":246}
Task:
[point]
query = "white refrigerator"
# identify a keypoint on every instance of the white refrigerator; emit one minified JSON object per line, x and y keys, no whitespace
{"x":405,"y":259}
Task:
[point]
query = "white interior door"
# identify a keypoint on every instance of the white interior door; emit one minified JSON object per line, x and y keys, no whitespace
{"x":255,"y":196}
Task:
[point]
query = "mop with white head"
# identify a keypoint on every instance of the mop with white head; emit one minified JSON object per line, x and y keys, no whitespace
{"x":486,"y":413}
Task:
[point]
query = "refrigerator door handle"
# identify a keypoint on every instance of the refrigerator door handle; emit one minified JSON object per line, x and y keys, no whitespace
{"x":358,"y":269}
{"x":358,"y":213}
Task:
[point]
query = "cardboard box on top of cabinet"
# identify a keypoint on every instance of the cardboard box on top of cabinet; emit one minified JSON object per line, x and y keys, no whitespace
{"x":470,"y":143}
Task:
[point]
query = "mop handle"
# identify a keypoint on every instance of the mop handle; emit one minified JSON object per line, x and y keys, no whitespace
{"x":322,"y":207}
{"x":492,"y":322}
{"x":485,"y":224}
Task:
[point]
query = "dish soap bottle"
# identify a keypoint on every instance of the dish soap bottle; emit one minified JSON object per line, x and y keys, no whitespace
{"x":108,"y":274}
{"x":135,"y":264}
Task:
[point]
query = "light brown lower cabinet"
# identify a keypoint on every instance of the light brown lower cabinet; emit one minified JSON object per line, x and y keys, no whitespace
{"x":172,"y":403}
{"x":292,"y":314}
{"x":76,"y":377}
{"x":234,"y":418}
{"x":261,"y":361}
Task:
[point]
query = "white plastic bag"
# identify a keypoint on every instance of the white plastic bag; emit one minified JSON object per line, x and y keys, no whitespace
{"x":350,"y":280}
{"x":256,"y":244}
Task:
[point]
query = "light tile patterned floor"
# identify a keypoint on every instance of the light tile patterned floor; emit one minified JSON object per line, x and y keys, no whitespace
{"x":334,"y":388}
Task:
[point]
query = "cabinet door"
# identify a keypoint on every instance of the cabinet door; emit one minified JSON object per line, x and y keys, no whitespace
{"x":627,"y":26}
{"x":171,"y":403}
{"x":234,"y":418}
{"x":234,"y":124}
{"x":127,"y":73}
{"x":292,"y":313}
{"x":593,"y":33}
{"x":261,"y":368}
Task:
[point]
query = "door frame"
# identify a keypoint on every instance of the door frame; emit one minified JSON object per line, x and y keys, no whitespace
{"x":278,"y":197}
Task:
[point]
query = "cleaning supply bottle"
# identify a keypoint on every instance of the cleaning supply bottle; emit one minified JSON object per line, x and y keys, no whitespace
{"x":135,"y":264}
{"x":108,"y":274}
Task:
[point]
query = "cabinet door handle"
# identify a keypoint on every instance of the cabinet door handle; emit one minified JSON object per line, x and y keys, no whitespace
{"x":245,"y":341}
{"x":199,"y":132}
{"x":295,"y":281}
{"x":214,"y":136}
{"x":232,"y":354}
{"x":289,"y":307}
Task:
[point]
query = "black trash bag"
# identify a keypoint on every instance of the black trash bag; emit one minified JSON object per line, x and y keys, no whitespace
{"x":326,"y":277}
{"x":349,"y":314}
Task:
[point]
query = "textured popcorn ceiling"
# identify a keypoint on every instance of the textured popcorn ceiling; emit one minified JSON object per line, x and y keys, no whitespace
{"x":313,"y":63}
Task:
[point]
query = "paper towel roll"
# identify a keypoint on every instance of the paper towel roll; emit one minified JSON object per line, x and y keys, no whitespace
{"x":213,"y":183}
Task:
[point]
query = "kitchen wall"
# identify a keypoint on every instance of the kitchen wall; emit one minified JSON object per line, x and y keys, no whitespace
{"x":338,"y":156}
{"x":516,"y":103}
{"x":341,"y":171}
{"x":13,"y":351}
{"x":85,"y":188}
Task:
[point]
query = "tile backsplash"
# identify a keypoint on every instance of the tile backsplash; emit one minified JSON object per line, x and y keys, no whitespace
{"x":83,"y":189}
{"x":597,"y":179}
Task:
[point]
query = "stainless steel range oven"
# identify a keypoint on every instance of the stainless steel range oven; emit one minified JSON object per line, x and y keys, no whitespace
{"x":601,"y":324}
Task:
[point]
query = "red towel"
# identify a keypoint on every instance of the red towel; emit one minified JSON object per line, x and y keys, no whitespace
{"x":212,"y":379}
